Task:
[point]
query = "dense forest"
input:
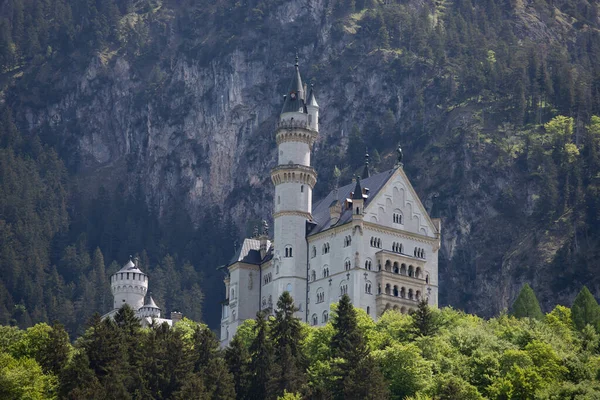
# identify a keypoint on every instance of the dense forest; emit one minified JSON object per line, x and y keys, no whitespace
{"x":439,"y":354}
{"x":494,"y":101}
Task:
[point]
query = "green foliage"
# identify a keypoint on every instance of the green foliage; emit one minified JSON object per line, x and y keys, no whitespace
{"x":526,"y":304}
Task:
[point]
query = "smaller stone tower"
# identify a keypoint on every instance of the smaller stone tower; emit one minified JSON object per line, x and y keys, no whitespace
{"x":129,"y":286}
{"x":150,"y":309}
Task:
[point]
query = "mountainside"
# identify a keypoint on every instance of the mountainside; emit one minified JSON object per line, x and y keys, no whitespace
{"x":164,"y":112}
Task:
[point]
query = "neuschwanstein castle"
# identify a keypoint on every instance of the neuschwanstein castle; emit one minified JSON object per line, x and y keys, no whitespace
{"x":371,"y":239}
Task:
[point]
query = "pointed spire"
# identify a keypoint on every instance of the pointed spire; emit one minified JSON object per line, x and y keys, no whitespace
{"x":357,"y":195}
{"x":312,"y":100}
{"x":366,"y":173}
{"x":294,"y":100}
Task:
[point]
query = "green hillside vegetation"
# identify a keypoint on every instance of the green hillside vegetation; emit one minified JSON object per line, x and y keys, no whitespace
{"x":431,"y":354}
{"x":497,"y":95}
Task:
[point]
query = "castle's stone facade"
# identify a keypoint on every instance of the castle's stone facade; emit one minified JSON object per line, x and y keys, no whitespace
{"x":371,"y":239}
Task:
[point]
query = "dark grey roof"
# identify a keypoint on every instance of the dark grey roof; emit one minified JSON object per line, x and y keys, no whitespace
{"x":357,"y":194}
{"x":294,"y":99}
{"x":320,"y":212}
{"x":312,"y":100}
{"x":249,"y":253}
{"x":130,"y":267}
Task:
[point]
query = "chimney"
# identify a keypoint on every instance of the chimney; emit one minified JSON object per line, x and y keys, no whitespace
{"x":176,"y":316}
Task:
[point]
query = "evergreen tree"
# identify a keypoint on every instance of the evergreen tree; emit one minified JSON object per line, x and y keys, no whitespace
{"x":286,"y":334}
{"x":424,"y":320}
{"x":526,"y":305}
{"x":366,"y":382}
{"x":261,"y":354}
{"x":585,"y":310}
{"x":347,"y":343}
{"x":55,"y":352}
{"x":238,"y":360}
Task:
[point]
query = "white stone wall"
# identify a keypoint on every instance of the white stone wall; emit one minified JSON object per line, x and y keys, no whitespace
{"x":243,"y":295}
{"x":293,"y":196}
{"x":294,"y":153}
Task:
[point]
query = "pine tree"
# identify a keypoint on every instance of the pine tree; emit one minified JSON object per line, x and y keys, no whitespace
{"x":526,"y":305}
{"x":425,"y":322}
{"x":55,"y":352}
{"x":366,"y":382}
{"x":238,"y":360}
{"x":347,"y":343}
{"x":585,"y":310}
{"x":261,"y":353}
{"x":286,"y":333}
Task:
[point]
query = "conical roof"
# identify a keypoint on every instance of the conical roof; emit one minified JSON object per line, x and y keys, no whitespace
{"x":150,"y":303}
{"x":357,"y":195}
{"x":130,"y":267}
{"x":294,"y":99}
{"x":312,"y":100}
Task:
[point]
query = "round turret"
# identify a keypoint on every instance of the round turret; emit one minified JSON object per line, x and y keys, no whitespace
{"x":150,"y":309}
{"x":129,"y":286}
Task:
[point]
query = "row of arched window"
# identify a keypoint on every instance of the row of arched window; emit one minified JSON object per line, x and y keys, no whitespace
{"x":403,"y":269}
{"x":397,"y":247}
{"x":288,"y":251}
{"x":325,"y":272}
{"x":401,"y":292}
{"x":326,"y":248}
{"x":320,"y":296}
{"x":347,"y":265}
{"x":267,"y":278}
{"x":324,"y":318}
{"x":419,"y":253}
{"x":347,"y":240}
{"x":397,"y":218}
{"x":266,"y":304}
{"x":343,"y":289}
{"x":375,"y":242}
{"x":368,"y":265}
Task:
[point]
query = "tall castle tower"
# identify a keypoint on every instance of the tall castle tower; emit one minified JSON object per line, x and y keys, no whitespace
{"x":294,"y":181}
{"x":129,"y":286}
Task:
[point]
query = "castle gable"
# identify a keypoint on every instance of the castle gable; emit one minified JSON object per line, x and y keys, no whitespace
{"x":396,"y":205}
{"x":321,"y":215}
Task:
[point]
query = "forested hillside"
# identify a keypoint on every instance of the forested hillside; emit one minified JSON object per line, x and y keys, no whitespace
{"x":431,"y":354}
{"x":146,"y":127}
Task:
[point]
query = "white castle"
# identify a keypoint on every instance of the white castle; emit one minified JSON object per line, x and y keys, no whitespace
{"x":371,"y":239}
{"x":129,"y":286}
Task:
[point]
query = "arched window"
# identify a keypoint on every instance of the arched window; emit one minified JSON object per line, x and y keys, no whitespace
{"x":418,"y":272}
{"x":396,"y":270}
{"x":347,"y":265}
{"x":411,"y":271}
{"x":388,"y":290}
{"x":403,"y":269}
{"x":288,"y":288}
{"x":368,"y":310}
{"x":368,"y":265}
{"x":397,"y":217}
{"x":403,"y":292}
{"x":325,"y":271}
{"x":313,"y":275}
{"x":427,"y":279}
{"x":395,"y":290}
{"x":315,"y":319}
{"x":320,"y":295}
{"x":379,"y":288}
{"x":357,"y":210}
{"x":313,"y":252}
{"x":301,"y":188}
{"x":288,"y":251}
{"x":325,"y":317}
{"x":378,"y":243}
{"x":410,"y":294}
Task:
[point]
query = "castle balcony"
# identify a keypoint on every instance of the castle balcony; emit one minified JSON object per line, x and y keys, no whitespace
{"x":385,"y":302}
{"x":294,"y":173}
{"x":295,"y":131}
{"x":401,"y":281}
{"x":406,"y":268}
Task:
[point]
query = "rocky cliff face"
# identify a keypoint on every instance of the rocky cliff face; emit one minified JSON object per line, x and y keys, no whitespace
{"x":195,"y":128}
